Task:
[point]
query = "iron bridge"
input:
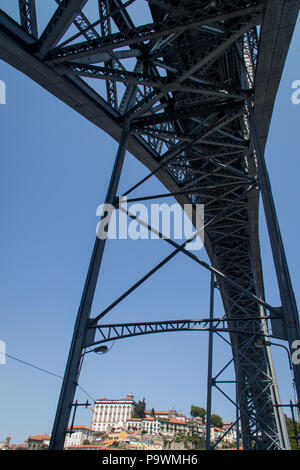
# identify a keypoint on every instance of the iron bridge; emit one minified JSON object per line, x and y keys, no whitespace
{"x":190,"y":94}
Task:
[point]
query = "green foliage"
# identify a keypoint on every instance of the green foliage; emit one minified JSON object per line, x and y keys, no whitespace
{"x":180,"y":436}
{"x":197,"y":411}
{"x":139,"y":411}
{"x":86,"y":442}
{"x":216,"y":421}
{"x":295,"y":443}
{"x":198,"y":442}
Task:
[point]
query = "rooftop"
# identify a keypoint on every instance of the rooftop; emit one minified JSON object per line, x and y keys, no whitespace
{"x":39,"y":437}
{"x":80,"y":427}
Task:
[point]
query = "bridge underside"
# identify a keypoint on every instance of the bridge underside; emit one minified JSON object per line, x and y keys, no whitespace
{"x":197,"y":69}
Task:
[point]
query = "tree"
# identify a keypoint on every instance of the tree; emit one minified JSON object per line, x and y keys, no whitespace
{"x":293,"y":429}
{"x":216,"y":421}
{"x":86,"y":442}
{"x":153,"y":413}
{"x":198,"y":442}
{"x":197,"y":411}
{"x":139,"y":411}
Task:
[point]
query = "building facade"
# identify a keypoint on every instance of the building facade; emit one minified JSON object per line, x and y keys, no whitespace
{"x":37,"y":442}
{"x":166,"y":423}
{"x":79,"y":435}
{"x":148,"y":425}
{"x":109,"y":413}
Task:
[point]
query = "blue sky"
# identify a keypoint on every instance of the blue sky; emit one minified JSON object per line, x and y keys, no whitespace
{"x":55,"y":169}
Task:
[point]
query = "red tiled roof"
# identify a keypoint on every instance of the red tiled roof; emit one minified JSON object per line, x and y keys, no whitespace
{"x":177,"y":421}
{"x":148,"y":412}
{"x":91,"y":446}
{"x":39,"y":437}
{"x":80,"y":427}
{"x":84,"y":446}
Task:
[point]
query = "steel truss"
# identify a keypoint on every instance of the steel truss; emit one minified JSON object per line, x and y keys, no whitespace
{"x":191,"y":96}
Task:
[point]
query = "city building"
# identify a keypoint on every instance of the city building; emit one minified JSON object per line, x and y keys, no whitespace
{"x":40,"y":441}
{"x":118,"y":435}
{"x":196,"y":426}
{"x":171,"y":426}
{"x":108,"y":413}
{"x":79,"y":435}
{"x":230,"y":431}
{"x":166,"y":423}
{"x":149,"y":425}
{"x":114,"y":425}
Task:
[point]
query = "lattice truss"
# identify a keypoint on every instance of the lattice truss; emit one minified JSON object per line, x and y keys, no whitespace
{"x":193,"y":68}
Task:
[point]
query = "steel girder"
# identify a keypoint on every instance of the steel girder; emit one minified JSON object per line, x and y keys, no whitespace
{"x":199,"y":67}
{"x":28,"y":16}
{"x":114,"y":331}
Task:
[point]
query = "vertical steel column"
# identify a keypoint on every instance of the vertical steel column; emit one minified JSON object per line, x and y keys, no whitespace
{"x":72,"y":369}
{"x":210,"y":363}
{"x":290,"y":312}
{"x":237,"y":401}
{"x":283,"y":438}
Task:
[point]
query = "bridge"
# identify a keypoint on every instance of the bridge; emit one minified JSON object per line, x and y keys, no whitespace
{"x":191,"y":96}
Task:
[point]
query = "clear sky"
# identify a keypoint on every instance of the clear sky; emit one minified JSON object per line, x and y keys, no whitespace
{"x":55,"y":169}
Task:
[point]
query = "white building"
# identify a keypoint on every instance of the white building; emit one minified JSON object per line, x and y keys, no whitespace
{"x":166,"y":423}
{"x":78,"y":436}
{"x":109,"y":413}
{"x":38,"y":442}
{"x":149,"y":425}
{"x":231,"y":432}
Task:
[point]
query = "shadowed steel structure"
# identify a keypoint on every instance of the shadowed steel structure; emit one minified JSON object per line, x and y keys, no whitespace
{"x":191,"y":96}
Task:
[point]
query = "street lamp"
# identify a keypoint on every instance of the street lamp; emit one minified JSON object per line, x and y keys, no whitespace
{"x":261,"y":343}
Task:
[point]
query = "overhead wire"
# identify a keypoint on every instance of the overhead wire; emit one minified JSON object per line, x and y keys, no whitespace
{"x":43,"y":370}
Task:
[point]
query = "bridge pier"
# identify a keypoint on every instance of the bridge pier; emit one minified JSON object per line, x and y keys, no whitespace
{"x":78,"y":344}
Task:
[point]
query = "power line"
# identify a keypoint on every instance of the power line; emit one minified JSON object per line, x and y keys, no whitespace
{"x":43,"y":370}
{"x":85,"y":392}
{"x":31,"y":365}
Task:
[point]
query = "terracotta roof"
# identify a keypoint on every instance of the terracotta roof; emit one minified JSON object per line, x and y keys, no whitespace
{"x":148,"y":412}
{"x":92,"y":446}
{"x":80,"y":427}
{"x":177,"y":421}
{"x":84,"y":446}
{"x":118,"y":431}
{"x":39,"y":437}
